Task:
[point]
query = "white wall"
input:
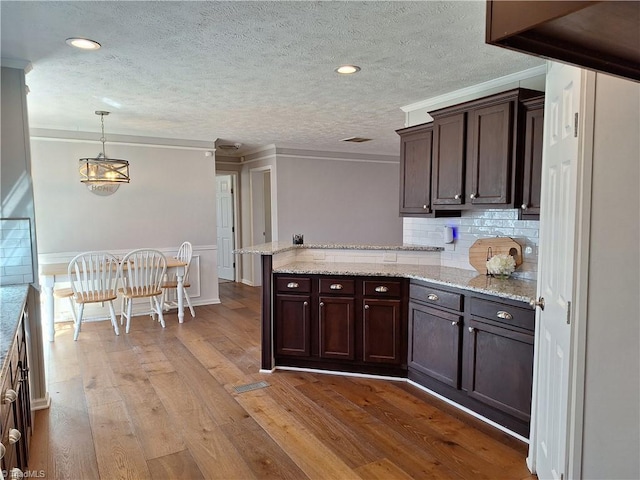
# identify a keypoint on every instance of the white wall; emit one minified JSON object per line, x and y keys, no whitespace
{"x":343,"y":197}
{"x":611,"y":439}
{"x":171,"y":198}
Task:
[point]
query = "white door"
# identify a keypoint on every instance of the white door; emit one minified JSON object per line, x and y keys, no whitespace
{"x":224,"y":219}
{"x":547,"y":454}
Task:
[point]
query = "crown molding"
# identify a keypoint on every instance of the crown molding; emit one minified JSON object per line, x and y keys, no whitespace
{"x":479,"y":90}
{"x":16,"y":63}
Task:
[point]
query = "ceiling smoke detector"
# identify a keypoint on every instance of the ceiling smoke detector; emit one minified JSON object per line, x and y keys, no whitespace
{"x":356,"y":139}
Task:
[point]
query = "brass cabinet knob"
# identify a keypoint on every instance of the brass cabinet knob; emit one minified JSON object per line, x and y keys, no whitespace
{"x":472,"y":196}
{"x":471,"y":329}
{"x":524,"y":206}
{"x":457,"y":196}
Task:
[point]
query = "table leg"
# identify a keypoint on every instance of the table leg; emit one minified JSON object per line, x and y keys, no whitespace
{"x":180,"y":278}
{"x":47,"y":288}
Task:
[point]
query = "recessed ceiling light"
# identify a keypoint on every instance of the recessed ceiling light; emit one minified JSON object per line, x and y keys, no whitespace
{"x":347,"y":69}
{"x":83,"y":43}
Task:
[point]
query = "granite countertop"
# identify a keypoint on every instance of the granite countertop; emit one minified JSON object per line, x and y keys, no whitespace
{"x":511,"y":288}
{"x":12,"y":301}
{"x":273,"y":248}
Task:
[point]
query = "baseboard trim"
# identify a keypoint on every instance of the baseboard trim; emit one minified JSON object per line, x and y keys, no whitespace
{"x":41,"y":403}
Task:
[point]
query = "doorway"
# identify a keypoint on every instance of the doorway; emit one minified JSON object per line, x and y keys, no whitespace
{"x":261,"y":215}
{"x":226,"y":225}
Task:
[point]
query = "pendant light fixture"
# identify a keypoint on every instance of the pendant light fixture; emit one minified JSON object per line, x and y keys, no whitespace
{"x":102,"y":171}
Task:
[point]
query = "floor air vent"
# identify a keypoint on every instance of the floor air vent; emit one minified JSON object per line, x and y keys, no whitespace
{"x":250,"y":386}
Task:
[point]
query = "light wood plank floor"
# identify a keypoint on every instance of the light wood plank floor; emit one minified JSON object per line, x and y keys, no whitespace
{"x":160,"y":403}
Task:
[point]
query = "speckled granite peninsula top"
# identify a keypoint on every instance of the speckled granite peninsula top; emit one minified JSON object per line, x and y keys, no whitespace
{"x":512,"y":288}
{"x":12,"y":300}
{"x":273,"y":248}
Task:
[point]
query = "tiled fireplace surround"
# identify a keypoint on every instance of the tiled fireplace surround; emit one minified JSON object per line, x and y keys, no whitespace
{"x":472,"y":226}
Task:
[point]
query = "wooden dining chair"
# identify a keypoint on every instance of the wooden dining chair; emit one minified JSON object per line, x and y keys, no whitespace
{"x":185,"y":253}
{"x":94,"y":278}
{"x":142,"y":272}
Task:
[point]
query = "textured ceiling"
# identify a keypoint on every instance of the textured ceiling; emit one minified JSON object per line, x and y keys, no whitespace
{"x":257,"y":73}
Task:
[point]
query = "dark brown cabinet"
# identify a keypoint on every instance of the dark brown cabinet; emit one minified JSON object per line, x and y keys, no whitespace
{"x":336,"y":319}
{"x":490,"y":153}
{"x":293,"y":313}
{"x":477,"y":152}
{"x":499,"y":355}
{"x":415,"y":170}
{"x":347,"y":323}
{"x":570,"y":31}
{"x":15,"y":411}
{"x":449,"y":147}
{"x":473,"y":349}
{"x":532,"y":158}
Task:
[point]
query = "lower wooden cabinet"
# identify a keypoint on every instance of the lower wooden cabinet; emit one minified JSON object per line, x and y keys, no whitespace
{"x":474,"y":349}
{"x":336,"y":327}
{"x":345,"y":323}
{"x":435,"y":343}
{"x":15,"y":409}
{"x":500,"y":368}
{"x":293,"y":335}
{"x":382,"y":331}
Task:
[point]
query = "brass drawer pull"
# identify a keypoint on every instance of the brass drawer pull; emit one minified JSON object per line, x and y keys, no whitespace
{"x":322,"y":304}
{"x":292,"y":285}
{"x":366,"y":307}
{"x":433,"y":297}
{"x":504,"y":315}
{"x":305,"y":303}
{"x":382,"y":289}
{"x":336,"y":286}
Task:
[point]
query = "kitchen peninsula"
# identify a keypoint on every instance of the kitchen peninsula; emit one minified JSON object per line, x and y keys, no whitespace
{"x":395,"y":311}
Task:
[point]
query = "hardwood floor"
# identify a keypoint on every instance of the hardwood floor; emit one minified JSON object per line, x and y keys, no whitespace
{"x":161,"y":403}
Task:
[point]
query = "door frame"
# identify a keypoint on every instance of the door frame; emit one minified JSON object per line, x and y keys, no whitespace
{"x":256,"y":267}
{"x":236,"y":217}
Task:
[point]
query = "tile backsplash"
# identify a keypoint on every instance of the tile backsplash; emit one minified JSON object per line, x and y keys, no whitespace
{"x":16,"y":266}
{"x":471,"y":226}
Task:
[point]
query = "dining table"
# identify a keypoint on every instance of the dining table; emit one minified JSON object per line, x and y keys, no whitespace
{"x":52,"y":273}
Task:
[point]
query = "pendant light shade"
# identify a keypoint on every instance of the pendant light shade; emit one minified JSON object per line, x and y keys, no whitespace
{"x":102,"y":170}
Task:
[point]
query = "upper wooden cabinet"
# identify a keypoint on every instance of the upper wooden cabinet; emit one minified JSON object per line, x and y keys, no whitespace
{"x":599,"y":35}
{"x":415,"y":170}
{"x":532,"y":161}
{"x":449,"y":145}
{"x":477,"y":153}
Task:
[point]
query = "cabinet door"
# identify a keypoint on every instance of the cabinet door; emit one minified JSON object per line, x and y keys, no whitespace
{"x":449,"y":137}
{"x":293,"y":325}
{"x":500,"y":368}
{"x":415,"y":172}
{"x":490,"y":156}
{"x":381,"y":331}
{"x":532,"y":168}
{"x":336,"y":323}
{"x":434,"y":343}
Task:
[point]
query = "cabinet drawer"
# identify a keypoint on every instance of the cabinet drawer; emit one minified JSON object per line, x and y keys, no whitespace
{"x":382,"y":288}
{"x":337,"y":286}
{"x":503,"y":313}
{"x":293,"y":284}
{"x":435,"y":296}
